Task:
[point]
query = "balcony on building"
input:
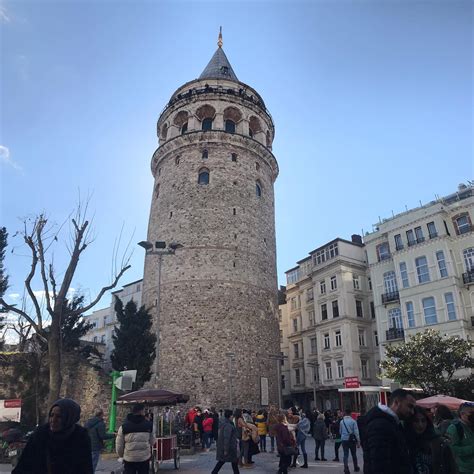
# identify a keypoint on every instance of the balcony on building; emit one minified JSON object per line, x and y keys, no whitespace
{"x":391,"y":297}
{"x":468,"y":277}
{"x":394,"y":333}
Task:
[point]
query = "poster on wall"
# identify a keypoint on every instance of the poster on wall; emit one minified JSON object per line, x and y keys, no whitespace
{"x":263,"y":391}
{"x":10,"y":410}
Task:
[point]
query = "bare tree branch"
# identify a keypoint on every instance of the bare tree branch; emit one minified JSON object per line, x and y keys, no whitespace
{"x":53,"y":280}
{"x":101,"y":292}
{"x":39,"y":244}
{"x":14,"y":309}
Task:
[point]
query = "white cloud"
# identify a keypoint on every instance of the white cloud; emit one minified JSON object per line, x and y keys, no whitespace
{"x":6,"y":159}
{"x":13,"y":296}
{"x":4,"y":16}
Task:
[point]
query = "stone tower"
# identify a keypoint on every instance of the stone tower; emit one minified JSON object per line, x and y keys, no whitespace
{"x":216,"y":305}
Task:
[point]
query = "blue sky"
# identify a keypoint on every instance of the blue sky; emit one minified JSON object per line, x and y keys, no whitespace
{"x":372,"y":103}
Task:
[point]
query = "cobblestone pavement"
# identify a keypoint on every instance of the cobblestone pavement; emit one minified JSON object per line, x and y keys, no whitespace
{"x":203,"y":463}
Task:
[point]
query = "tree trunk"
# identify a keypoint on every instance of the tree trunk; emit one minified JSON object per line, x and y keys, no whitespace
{"x":54,"y":356}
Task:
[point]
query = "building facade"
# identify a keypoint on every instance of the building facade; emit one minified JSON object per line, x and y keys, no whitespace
{"x":422,"y":269}
{"x":330,"y":326}
{"x":213,"y":199}
{"x":105,"y":319}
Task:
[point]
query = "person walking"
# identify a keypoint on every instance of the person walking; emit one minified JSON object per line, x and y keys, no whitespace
{"x":293,"y":419}
{"x":385,"y":447}
{"x":134,"y":441}
{"x":215,"y":424}
{"x":304,"y":426}
{"x":285,"y":444}
{"x":429,"y":451}
{"x":272,"y":422}
{"x":350,"y":440}
{"x":337,"y":434}
{"x":95,"y":427}
{"x":461,"y":434}
{"x":207,"y":424}
{"x":60,"y":446}
{"x":261,"y":422}
{"x":227,"y":444}
{"x":320,"y":434}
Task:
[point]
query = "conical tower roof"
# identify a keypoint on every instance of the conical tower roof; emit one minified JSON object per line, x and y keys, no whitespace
{"x":219,"y":66}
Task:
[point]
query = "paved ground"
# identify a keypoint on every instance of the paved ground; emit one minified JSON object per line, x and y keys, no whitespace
{"x":204,"y":462}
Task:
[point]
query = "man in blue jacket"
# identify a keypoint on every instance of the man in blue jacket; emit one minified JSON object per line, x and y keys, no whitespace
{"x":350,"y":440}
{"x":96,"y":428}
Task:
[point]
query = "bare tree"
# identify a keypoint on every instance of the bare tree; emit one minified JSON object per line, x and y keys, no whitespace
{"x":39,"y":237}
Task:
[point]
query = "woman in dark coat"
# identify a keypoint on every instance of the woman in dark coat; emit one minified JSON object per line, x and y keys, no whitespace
{"x":429,"y":452}
{"x":60,"y":446}
{"x":284,"y":442}
{"x":227,"y":444}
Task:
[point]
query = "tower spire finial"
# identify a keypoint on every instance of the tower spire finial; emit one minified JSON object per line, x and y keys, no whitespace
{"x":219,"y":41}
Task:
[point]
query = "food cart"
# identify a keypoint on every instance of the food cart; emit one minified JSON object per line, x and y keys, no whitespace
{"x":166,"y":446}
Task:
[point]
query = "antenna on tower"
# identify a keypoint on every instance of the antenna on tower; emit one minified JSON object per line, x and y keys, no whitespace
{"x":219,"y":41}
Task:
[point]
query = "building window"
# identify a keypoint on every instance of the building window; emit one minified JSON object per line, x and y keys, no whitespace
{"x":292,"y":277}
{"x":205,"y":154}
{"x":328,"y":371}
{"x":383,"y":251}
{"x":233,"y":157}
{"x":340,"y":369}
{"x":230,"y":126}
{"x":327,"y":342}
{"x":395,"y":319}
{"x":429,"y":309}
{"x":250,"y":133}
{"x":280,"y":315}
{"x":309,"y":295}
{"x":404,"y":275}
{"x":295,"y":324}
{"x":410,"y":314}
{"x":398,"y":242}
{"x":390,"y":282}
{"x":327,"y":253}
{"x":297,"y":377}
{"x":370,"y":283}
{"x":364,"y":368}
{"x":207,"y":124}
{"x":293,"y":303}
{"x":450,"y":307}
{"x":361,"y":338}
{"x":462,"y":224}
{"x":333,"y":283}
{"x":468,"y":255}
{"x":359,"y":312}
{"x":324,"y":312}
{"x":422,"y":269}
{"x":184,"y":128}
{"x":419,"y":235}
{"x":312,"y":320}
{"x":355,"y":282}
{"x":296,"y":350}
{"x":258,"y":189}
{"x":376,"y":338}
{"x":411,"y":238}
{"x":335,"y":309}
{"x":432,"y":232}
{"x":315,"y":373}
{"x":372,"y":310}
{"x":443,"y":271}
{"x":203,"y":177}
{"x":322,"y":286}
{"x":283,"y":385}
{"x":338,"y":338}
{"x":313,"y":345}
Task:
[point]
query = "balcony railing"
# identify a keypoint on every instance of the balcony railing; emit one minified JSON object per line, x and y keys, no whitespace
{"x":390,"y":297}
{"x":394,"y":333}
{"x":468,"y":277}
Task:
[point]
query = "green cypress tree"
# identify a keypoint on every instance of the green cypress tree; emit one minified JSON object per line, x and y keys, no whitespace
{"x":134,"y":343}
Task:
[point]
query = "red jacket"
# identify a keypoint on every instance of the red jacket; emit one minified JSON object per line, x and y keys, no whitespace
{"x":207,"y":425}
{"x":189,"y":420}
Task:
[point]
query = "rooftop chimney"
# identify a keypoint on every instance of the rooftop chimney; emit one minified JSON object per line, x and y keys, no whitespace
{"x":356,"y":239}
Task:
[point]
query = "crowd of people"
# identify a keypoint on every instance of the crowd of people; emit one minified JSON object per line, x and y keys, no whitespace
{"x":398,"y":438}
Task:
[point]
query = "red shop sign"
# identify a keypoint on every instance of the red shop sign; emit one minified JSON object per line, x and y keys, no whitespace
{"x":14,"y":403}
{"x":351,"y":382}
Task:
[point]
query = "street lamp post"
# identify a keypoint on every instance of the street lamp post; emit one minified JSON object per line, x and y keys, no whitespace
{"x":160,"y":250}
{"x":231,"y":356}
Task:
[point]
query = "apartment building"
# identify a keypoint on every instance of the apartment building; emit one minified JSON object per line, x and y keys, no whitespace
{"x":105,"y":320}
{"x":421,"y":266}
{"x":329,"y":324}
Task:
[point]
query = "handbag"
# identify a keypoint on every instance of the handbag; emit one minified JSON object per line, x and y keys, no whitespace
{"x":290,"y":451}
{"x":352,"y":436}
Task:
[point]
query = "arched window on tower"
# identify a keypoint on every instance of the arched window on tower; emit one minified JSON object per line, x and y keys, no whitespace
{"x":230,"y":126}
{"x":207,"y":124}
{"x":258,"y":189}
{"x":184,"y":128}
{"x":203,"y":177}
